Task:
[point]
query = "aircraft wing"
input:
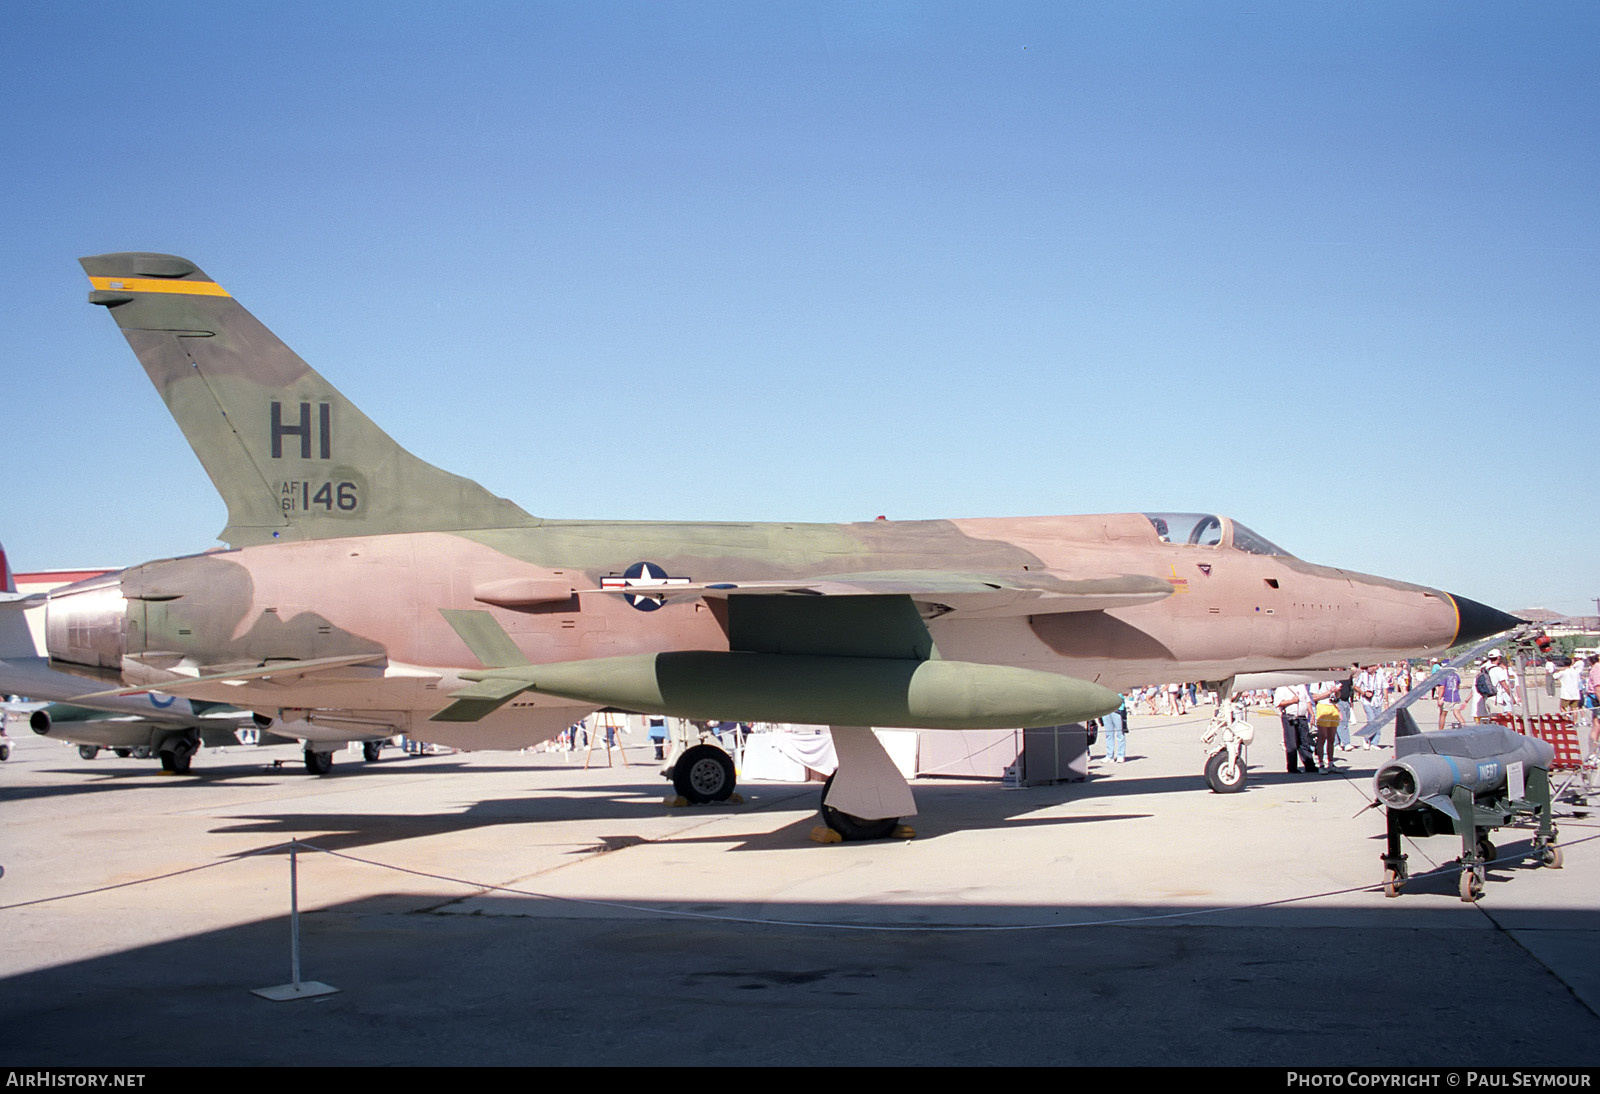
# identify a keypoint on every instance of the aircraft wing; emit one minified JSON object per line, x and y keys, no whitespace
{"x":33,"y":677}
{"x":936,"y":592}
{"x":184,"y":716}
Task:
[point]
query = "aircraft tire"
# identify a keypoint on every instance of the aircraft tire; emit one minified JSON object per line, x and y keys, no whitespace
{"x":1550,"y":855}
{"x":319,"y":763}
{"x":177,"y":760}
{"x":851,"y":827}
{"x":142,"y":752}
{"x":88,"y":752}
{"x":123,"y":753}
{"x":5,"y":753}
{"x":1224,"y":778}
{"x":1487,"y":851}
{"x":371,"y":750}
{"x":704,"y":774}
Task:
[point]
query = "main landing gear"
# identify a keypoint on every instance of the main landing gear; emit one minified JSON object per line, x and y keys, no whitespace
{"x":704,"y":774}
{"x":319,"y":761}
{"x":866,"y":797}
{"x":176,"y":753}
{"x":851,"y":827}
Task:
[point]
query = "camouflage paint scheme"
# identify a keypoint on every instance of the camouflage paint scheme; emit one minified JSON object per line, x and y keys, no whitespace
{"x":166,"y":726}
{"x":367,"y":585}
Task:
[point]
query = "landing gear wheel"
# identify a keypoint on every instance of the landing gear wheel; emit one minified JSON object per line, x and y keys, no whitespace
{"x":142,"y":752}
{"x":704,"y":774}
{"x":319,"y":763}
{"x":5,"y":753}
{"x":1393,"y":882}
{"x":851,"y":827}
{"x":1486,"y":850}
{"x":1225,"y":777}
{"x":1550,"y":855}
{"x":88,"y":752}
{"x":371,"y":750}
{"x":1471,"y":886}
{"x":176,"y":760}
{"x":123,"y":753}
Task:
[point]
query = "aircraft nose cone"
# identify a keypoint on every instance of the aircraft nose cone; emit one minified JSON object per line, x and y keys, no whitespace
{"x":1479,"y":620}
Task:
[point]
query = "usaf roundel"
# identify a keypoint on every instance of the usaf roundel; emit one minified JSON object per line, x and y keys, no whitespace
{"x":643,"y":575}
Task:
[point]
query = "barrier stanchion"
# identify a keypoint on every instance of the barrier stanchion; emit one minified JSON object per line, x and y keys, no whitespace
{"x":295,"y":988}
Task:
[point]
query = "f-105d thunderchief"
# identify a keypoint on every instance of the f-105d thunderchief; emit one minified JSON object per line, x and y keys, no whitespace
{"x":365,"y":586}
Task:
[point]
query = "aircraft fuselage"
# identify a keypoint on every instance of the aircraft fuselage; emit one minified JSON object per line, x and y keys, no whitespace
{"x":1230,"y":610}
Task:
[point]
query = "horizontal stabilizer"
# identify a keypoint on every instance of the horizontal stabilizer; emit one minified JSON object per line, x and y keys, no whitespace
{"x":286,"y":670}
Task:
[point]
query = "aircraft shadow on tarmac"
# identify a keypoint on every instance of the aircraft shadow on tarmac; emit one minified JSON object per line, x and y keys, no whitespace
{"x":99,"y":781}
{"x":947,"y":809}
{"x":577,"y":985}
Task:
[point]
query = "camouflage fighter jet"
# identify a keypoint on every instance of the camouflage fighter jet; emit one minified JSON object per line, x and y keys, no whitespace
{"x":146,"y":724}
{"x":364,"y":584}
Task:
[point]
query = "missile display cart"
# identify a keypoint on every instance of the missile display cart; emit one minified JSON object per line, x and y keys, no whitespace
{"x":1456,"y":781}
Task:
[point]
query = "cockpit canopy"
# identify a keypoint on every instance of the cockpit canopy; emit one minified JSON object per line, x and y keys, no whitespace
{"x":1206,"y":530}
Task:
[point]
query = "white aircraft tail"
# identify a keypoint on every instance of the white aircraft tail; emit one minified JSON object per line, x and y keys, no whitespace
{"x":15,"y":638}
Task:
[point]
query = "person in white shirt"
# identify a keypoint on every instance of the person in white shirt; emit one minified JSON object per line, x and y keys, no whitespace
{"x":1500,"y":680}
{"x":1568,"y":685}
{"x":1371,"y":688}
{"x":1294,"y":711}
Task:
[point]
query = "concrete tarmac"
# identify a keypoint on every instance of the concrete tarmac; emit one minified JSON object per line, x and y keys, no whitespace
{"x":512,"y":908}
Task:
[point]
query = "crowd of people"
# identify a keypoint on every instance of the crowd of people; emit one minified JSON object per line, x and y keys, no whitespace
{"x":1318,"y":718}
{"x":1169,"y":698}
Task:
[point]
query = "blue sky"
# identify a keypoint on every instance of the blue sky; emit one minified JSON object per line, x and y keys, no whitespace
{"x":1330,"y":269}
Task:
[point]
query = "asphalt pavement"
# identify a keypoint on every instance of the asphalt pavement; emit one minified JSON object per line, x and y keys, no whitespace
{"x":513,"y":908}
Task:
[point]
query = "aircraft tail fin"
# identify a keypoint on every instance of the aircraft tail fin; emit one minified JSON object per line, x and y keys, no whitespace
{"x":290,"y":455}
{"x":15,"y":638}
